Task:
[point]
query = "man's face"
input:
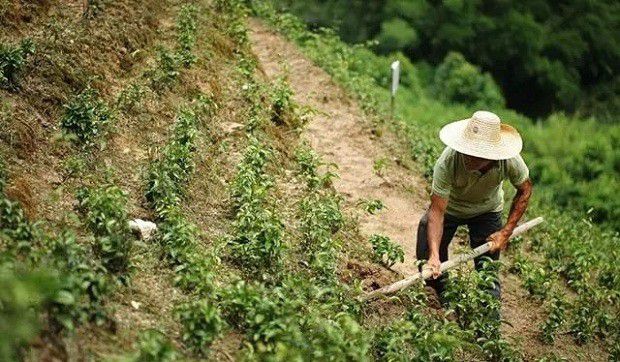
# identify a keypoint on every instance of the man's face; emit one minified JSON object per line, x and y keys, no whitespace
{"x":475,"y":163}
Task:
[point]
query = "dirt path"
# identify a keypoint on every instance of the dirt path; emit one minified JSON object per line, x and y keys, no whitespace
{"x":340,"y":134}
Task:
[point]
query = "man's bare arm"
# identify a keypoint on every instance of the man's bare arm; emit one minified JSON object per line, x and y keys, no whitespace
{"x":435,"y":231}
{"x":517,"y":209}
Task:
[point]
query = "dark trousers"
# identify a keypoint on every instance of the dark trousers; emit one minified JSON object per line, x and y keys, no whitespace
{"x":480,"y":227}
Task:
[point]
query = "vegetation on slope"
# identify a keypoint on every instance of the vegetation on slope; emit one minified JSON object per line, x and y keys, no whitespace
{"x":569,"y":251}
{"x":151,"y":124}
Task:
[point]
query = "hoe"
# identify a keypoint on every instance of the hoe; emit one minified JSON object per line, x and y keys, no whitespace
{"x":446,"y":265}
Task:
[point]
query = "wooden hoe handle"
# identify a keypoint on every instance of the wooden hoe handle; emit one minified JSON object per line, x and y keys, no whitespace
{"x":449,"y":264}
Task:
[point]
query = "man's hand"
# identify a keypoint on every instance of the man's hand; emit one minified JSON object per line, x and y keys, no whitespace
{"x":433,"y":264}
{"x":499,"y":240}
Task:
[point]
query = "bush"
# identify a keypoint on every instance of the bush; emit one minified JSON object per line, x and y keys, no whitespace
{"x":86,"y":117}
{"x":154,"y":346}
{"x":202,"y":324}
{"x":458,"y":81}
{"x":105,"y":215}
{"x":12,"y":61}
{"x":385,"y":251}
{"x":186,"y":28}
{"x":23,"y":295}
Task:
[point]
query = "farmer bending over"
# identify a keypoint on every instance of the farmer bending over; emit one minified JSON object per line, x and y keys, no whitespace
{"x":467,"y":190}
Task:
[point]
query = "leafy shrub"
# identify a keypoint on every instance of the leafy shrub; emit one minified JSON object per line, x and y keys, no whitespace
{"x":168,"y":176}
{"x":83,"y":287}
{"x":202,"y":324}
{"x":165,"y":74}
{"x":105,"y":215}
{"x":320,"y":219}
{"x":12,"y":61}
{"x":282,"y":105}
{"x":556,"y":319}
{"x":372,"y":206}
{"x":385,"y":251}
{"x":396,"y":34}
{"x":130,"y":97}
{"x":308,"y":163}
{"x":281,"y":325}
{"x":257,"y":240}
{"x":15,"y":225}
{"x":478,"y":311}
{"x":154,"y":346}
{"x":418,"y":337}
{"x":458,"y":81}
{"x":23,"y":295}
{"x":186,"y":28}
{"x":86,"y":117}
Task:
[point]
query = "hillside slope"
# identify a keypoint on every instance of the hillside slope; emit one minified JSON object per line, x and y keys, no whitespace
{"x":266,"y":180}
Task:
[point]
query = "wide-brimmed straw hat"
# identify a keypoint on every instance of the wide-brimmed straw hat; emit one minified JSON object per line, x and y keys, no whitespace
{"x":483,"y":135}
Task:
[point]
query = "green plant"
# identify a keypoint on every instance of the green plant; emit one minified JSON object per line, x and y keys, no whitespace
{"x":202,"y":324}
{"x":86,"y":117}
{"x":24,"y":294}
{"x":456,"y":80}
{"x":12,"y":61}
{"x":418,"y":337}
{"x":320,"y":218}
{"x":385,"y":251}
{"x":478,"y":310}
{"x":154,"y":346}
{"x":556,"y":319}
{"x":282,"y":105}
{"x":186,"y":29}
{"x":165,"y":74}
{"x":372,"y":206}
{"x":105,"y":215}
{"x":379,"y":166}
{"x":309,"y":163}
{"x":257,"y":239}
{"x":82,"y":288}
{"x":130,"y":97}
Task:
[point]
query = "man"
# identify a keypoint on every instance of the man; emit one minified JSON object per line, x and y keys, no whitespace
{"x":467,"y":190}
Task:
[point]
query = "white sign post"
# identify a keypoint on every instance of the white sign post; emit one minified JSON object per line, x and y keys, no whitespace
{"x":395,"y":81}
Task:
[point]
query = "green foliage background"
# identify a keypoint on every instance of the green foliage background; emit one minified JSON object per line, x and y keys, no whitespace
{"x":546,"y":56}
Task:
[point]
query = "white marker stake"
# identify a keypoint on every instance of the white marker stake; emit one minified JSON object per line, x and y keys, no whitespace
{"x":395,"y":80}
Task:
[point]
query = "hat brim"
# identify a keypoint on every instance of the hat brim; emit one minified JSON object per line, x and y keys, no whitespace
{"x":508,"y":146}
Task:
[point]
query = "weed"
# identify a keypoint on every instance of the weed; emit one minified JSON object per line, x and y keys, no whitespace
{"x":379,"y":166}
{"x":12,"y":61}
{"x":385,"y":251}
{"x":372,"y":206}
{"x":86,"y":117}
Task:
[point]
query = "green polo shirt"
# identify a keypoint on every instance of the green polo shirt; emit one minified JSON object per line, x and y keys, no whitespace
{"x":471,"y":193}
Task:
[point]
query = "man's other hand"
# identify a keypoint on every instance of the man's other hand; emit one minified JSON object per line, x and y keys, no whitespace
{"x":499,"y":240}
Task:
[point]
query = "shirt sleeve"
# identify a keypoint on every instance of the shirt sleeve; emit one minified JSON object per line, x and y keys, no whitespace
{"x":443,"y":174}
{"x":517,"y":170}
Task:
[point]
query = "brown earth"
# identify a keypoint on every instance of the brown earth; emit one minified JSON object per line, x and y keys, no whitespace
{"x":342,"y":135}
